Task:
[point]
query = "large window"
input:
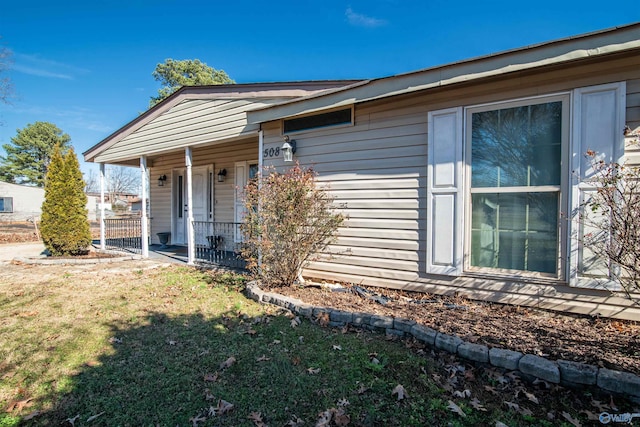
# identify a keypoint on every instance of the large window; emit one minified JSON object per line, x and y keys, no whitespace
{"x":516,"y":153}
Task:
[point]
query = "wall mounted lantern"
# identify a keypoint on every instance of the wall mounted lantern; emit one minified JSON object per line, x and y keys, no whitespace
{"x":221,"y":175}
{"x":161,"y":180}
{"x":288,"y":148}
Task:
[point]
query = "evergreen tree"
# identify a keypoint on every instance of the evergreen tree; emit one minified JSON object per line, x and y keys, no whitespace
{"x":29,"y":153}
{"x":174,"y":74}
{"x":65,"y":226}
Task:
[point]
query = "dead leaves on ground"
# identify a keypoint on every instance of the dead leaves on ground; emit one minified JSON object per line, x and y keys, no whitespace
{"x":572,"y":420}
{"x":337,"y":416}
{"x":256,"y":418}
{"x":295,"y":322}
{"x":455,"y":408}
{"x":221,"y":408}
{"x":18,"y":406}
{"x":211,"y":377}
{"x":228,"y":363}
{"x":475,"y":403}
{"x":400,"y":391}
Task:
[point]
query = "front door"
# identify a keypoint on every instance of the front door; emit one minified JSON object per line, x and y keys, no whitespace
{"x":200,"y":191}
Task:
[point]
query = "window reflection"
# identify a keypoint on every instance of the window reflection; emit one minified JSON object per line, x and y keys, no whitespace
{"x":516,"y":147}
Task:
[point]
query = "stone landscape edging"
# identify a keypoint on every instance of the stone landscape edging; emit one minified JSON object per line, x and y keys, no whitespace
{"x":567,"y":373}
{"x":45,"y":260}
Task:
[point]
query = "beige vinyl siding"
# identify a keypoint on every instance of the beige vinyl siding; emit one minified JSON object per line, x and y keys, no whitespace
{"x":376,"y":170}
{"x":633,"y":121}
{"x":192,"y":122}
{"x":218,"y":156}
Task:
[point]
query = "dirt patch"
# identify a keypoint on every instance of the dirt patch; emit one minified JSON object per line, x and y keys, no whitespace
{"x":18,"y":232}
{"x":21,"y":232}
{"x":612,"y":344}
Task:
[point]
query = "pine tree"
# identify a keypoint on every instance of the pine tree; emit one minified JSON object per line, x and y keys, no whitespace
{"x":29,"y":153}
{"x":65,"y":226}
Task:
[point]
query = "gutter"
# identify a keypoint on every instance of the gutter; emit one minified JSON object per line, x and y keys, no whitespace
{"x":563,"y":51}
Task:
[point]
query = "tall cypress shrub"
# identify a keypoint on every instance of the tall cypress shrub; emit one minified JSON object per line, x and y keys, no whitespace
{"x":65,"y":226}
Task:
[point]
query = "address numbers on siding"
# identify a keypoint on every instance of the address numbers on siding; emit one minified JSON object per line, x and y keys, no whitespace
{"x":271,"y":152}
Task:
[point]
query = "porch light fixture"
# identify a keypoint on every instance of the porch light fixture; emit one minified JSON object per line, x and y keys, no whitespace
{"x":288,"y":148}
{"x":161,"y":180}
{"x":221,"y":175}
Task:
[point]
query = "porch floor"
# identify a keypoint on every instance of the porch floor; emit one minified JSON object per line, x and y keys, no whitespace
{"x":179,"y":254}
{"x":172,"y":253}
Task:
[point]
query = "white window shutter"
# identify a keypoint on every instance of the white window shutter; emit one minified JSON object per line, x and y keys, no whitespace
{"x":444,"y":192}
{"x":598,"y":124}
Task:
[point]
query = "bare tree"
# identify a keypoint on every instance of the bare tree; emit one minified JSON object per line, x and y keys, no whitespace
{"x":614,"y":221}
{"x":123,"y":180}
{"x":91,"y":182}
{"x":118,"y":180}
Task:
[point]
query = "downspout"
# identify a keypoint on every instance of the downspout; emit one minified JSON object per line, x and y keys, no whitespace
{"x":103,"y":240}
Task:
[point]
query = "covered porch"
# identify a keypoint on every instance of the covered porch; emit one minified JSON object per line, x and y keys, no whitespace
{"x":213,"y":245}
{"x":191,"y":203}
{"x":196,"y":151}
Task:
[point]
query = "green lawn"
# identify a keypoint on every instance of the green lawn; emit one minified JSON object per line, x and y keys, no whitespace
{"x":175,"y":346}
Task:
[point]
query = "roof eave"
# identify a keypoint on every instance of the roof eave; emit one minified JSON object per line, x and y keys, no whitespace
{"x":251,"y":90}
{"x":556,"y":52}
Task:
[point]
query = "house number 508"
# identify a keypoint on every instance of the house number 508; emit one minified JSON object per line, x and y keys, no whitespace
{"x":272,"y":152}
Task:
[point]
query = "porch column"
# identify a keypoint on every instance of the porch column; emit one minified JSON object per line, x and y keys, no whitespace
{"x":191,"y":247}
{"x":103,"y":242}
{"x":260,"y":170}
{"x":143,"y":215}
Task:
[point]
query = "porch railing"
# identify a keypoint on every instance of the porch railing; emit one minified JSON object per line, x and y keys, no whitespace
{"x":123,"y":234}
{"x":218,"y":243}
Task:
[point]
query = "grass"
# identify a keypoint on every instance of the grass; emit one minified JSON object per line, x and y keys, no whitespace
{"x":154,"y":347}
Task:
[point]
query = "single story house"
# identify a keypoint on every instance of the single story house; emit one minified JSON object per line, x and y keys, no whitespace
{"x":463,"y":178}
{"x":20,"y":202}
{"x":24,"y":203}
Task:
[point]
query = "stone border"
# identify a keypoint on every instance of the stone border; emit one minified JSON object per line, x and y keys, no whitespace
{"x":571,"y":374}
{"x":44,"y":260}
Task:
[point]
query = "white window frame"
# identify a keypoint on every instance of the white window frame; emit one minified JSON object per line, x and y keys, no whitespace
{"x":563,"y":188}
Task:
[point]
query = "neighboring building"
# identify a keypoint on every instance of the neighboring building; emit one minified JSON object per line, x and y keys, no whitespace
{"x":23,"y":202}
{"x":20,"y":202}
{"x":464,"y":178}
{"x":117,"y":201}
{"x":92,"y":206}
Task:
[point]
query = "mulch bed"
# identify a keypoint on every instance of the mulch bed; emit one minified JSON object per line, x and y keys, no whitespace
{"x":608,"y":343}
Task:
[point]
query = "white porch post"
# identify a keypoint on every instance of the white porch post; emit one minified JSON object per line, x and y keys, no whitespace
{"x":143,"y":215}
{"x":260,"y":170}
{"x":103,"y":242}
{"x":191,"y":247}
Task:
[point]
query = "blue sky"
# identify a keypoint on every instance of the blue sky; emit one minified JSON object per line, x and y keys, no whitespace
{"x":86,"y":65}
